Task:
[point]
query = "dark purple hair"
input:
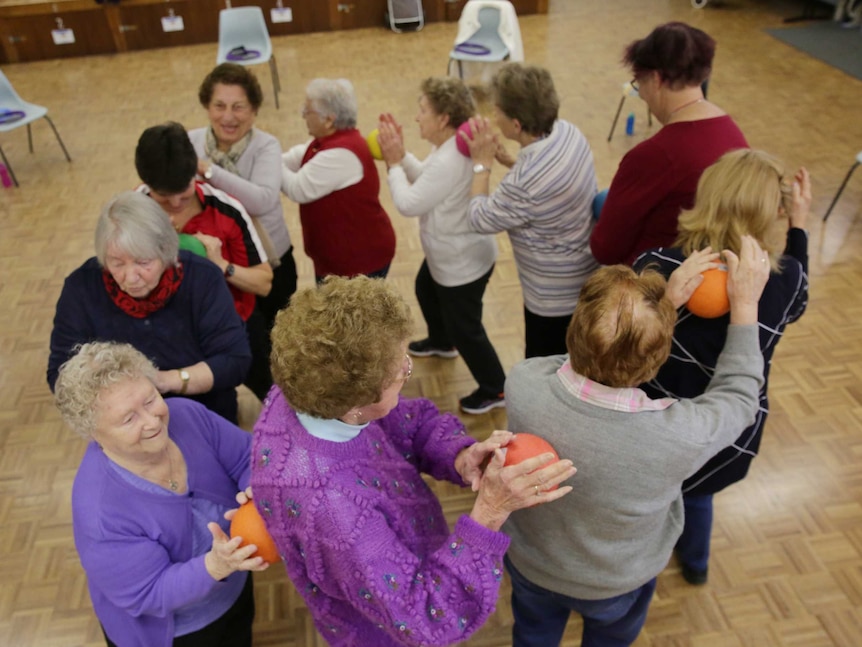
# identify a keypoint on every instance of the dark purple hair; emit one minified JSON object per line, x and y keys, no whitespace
{"x":680,"y":53}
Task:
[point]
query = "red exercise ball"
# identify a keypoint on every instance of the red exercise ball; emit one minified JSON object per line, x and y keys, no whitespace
{"x":462,"y":146}
{"x":710,"y":298}
{"x":524,"y":446}
{"x":248,"y":524}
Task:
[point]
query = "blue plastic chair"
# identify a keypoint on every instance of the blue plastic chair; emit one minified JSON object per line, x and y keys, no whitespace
{"x":484,"y":45}
{"x":14,"y":113}
{"x":244,"y":39}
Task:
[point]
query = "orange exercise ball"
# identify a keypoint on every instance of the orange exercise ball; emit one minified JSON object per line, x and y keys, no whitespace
{"x":524,"y":446}
{"x":248,"y":524}
{"x":710,"y":298}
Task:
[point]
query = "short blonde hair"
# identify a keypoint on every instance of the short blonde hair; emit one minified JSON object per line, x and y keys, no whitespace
{"x":622,"y":329}
{"x":96,"y":367}
{"x":744,"y":192}
{"x":334,"y":347}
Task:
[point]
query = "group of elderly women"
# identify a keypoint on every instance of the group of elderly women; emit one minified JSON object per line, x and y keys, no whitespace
{"x":661,"y":407}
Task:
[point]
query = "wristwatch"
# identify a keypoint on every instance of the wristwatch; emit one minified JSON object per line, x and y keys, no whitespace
{"x":229,"y":270}
{"x":208,"y":174}
{"x":480,"y":168}
{"x":185,"y":377}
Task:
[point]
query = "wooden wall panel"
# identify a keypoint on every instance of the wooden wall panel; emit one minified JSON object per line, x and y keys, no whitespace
{"x":29,"y":37}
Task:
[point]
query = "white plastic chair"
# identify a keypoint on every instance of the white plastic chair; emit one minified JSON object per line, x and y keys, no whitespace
{"x":244,"y":39}
{"x":843,"y":184}
{"x":484,"y":45}
{"x":21,"y":113}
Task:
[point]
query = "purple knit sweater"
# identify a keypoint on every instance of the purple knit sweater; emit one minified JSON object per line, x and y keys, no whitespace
{"x":363,"y":537}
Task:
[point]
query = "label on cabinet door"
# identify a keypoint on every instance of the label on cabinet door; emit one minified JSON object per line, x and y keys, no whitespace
{"x":173,"y":23}
{"x":63,"y":36}
{"x":279,"y":14}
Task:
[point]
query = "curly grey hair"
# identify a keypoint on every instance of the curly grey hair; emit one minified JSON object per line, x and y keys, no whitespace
{"x":136,"y":224}
{"x":334,"y":98}
{"x":96,"y":367}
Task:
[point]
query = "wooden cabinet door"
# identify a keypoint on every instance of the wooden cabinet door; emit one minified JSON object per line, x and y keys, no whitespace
{"x":141,"y":24}
{"x":355,"y":14}
{"x":29,"y":37}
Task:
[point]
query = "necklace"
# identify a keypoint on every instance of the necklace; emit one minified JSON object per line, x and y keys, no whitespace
{"x":684,"y":106}
{"x":174,"y":484}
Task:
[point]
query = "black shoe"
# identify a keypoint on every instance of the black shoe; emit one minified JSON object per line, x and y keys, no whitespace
{"x":694,"y":576}
{"x":477,"y":402}
{"x":424,"y":348}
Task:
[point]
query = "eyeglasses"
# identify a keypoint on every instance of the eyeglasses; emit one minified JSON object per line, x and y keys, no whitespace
{"x":634,"y":84}
{"x":406,"y":370}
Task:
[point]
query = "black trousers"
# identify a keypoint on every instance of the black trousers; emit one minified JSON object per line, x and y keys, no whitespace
{"x":454,"y":318}
{"x":545,"y":335}
{"x":283,"y":287}
{"x":259,"y":377}
{"x":233,"y":629}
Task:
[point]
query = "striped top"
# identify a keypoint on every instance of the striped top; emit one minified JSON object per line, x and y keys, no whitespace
{"x":545,"y":203}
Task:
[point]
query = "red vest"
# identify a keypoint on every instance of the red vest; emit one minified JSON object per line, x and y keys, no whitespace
{"x":347,"y":232}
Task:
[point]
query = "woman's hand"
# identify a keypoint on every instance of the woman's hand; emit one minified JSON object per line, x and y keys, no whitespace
{"x":801,"y":206}
{"x":483,"y":146}
{"x":391,"y":140}
{"x":469,"y":461}
{"x":504,"y":156}
{"x":227,"y":557}
{"x":687,"y":277}
{"x":506,"y":489}
{"x":747,"y":275}
{"x":213,"y":246}
{"x":242,"y":497}
{"x":203,"y":167}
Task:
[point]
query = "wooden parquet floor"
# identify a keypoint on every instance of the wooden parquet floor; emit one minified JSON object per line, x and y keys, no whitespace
{"x":787,"y":565}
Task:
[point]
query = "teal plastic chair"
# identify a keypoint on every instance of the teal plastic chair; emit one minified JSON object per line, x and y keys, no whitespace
{"x":14,"y":113}
{"x":484,"y":45}
{"x":244,"y":39}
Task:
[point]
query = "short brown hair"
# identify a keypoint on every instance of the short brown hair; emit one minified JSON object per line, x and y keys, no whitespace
{"x":449,"y":96}
{"x":622,"y":329}
{"x":680,"y":53}
{"x":231,"y":74}
{"x":744,"y":192}
{"x":527,"y":93}
{"x":335,"y":346}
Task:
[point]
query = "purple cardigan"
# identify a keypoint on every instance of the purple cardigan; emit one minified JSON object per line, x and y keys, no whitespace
{"x":135,"y":546}
{"x":363,"y":537}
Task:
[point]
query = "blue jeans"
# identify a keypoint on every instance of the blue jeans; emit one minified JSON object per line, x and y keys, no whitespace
{"x":692,"y":547}
{"x":541,"y":615}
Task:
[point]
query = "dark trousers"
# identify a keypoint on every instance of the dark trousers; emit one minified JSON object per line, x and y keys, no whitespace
{"x":259,"y":377}
{"x":376,"y":274}
{"x":454,"y":318}
{"x":541,"y":615}
{"x":692,"y":547}
{"x":545,"y":335}
{"x":283,"y":287}
{"x":233,"y":629}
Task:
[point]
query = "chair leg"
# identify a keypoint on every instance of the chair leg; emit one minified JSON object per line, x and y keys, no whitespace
{"x":616,"y":117}
{"x":59,"y":139}
{"x":276,"y":82}
{"x":840,"y":190}
{"x":460,"y":70}
{"x":9,"y":168}
{"x":29,"y":138}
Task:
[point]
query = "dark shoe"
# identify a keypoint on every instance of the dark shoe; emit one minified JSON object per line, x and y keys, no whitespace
{"x":694,"y":576}
{"x":425,"y":348}
{"x":477,"y":402}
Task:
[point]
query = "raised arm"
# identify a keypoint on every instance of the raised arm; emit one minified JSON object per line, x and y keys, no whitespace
{"x":261,"y":192}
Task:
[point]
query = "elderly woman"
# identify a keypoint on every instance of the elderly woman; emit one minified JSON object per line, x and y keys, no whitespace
{"x":345,"y":230}
{"x":149,"y":503}
{"x":658,"y":177}
{"x":171,"y":305}
{"x":245,"y":162}
{"x":745,"y":192}
{"x":337,"y":467}
{"x":598,"y":551}
{"x":544,"y":201}
{"x":458,"y":261}
{"x":167,"y":163}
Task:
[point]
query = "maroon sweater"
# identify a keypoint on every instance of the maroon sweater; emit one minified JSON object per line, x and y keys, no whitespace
{"x":347,"y":232}
{"x":655,"y":181}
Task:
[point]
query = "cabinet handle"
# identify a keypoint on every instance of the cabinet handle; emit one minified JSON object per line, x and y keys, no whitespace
{"x":345,"y":8}
{"x":125,"y":28}
{"x":17,"y":39}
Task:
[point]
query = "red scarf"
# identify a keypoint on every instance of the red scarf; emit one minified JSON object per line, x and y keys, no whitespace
{"x":168,"y":284}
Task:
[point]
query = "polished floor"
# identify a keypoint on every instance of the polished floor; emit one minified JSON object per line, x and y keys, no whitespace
{"x":787,"y":566}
